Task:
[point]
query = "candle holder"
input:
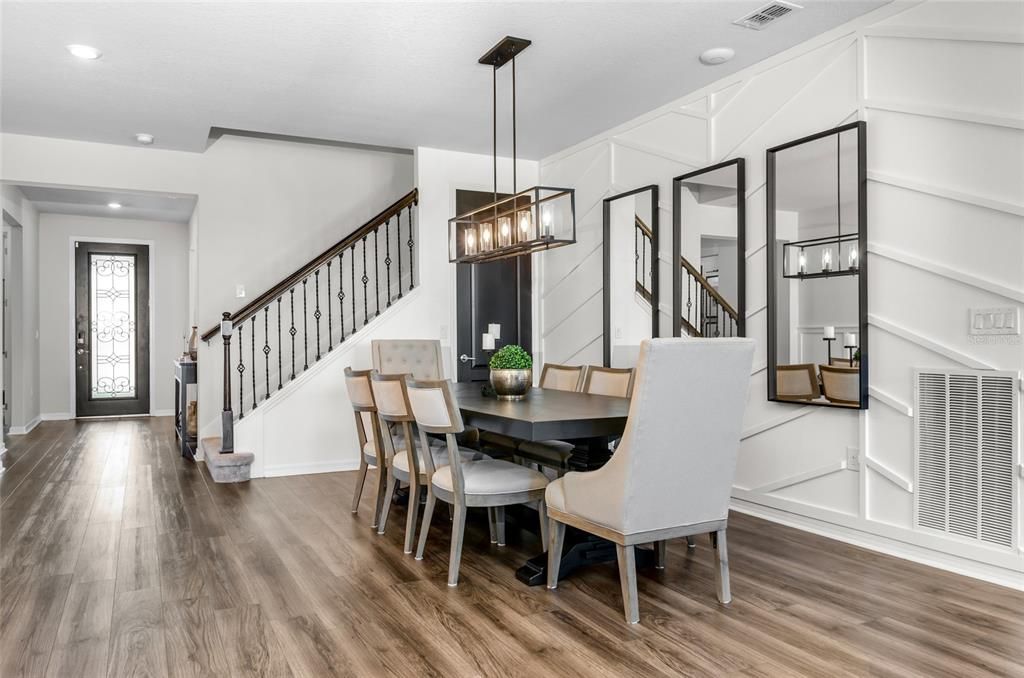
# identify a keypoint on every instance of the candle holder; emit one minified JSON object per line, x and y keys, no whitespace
{"x":850,"y":349}
{"x":829,"y":340}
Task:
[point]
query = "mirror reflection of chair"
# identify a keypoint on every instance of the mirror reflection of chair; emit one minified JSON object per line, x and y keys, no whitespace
{"x":610,"y":381}
{"x":561,"y":377}
{"x":797,"y":382}
{"x":843,"y":362}
{"x":841,"y":385}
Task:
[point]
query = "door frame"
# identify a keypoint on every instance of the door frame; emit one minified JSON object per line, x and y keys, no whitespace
{"x":153,"y":384}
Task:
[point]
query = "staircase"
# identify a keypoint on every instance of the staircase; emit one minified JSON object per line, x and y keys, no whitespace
{"x":285,"y":331}
{"x":707,"y":313}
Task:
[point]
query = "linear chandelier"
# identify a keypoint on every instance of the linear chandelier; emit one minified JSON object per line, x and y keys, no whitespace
{"x":527,"y":221}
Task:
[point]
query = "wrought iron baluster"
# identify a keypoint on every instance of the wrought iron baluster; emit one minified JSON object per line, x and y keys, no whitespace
{"x":689,"y":302}
{"x":266,"y":347}
{"x":376,"y":268}
{"x":253,"y":348}
{"x":353,"y":288}
{"x":330,"y":320}
{"x":241,"y":372}
{"x":341,"y":293}
{"x":280,"y":347}
{"x":643,"y":259}
{"x":412,"y":259}
{"x":292,"y":331}
{"x":316,"y":313}
{"x":398,"y":244}
{"x":365,"y":280}
{"x":636,"y":253}
{"x":387,"y":255}
{"x":305,"y":327}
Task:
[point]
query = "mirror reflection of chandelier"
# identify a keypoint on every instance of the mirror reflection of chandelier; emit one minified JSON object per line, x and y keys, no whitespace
{"x":527,"y":221}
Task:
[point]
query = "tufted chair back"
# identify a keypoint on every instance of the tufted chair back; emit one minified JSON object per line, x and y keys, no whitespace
{"x":420,"y":358}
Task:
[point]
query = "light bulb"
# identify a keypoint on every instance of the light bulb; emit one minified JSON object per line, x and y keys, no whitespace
{"x":852,"y":261}
{"x":803,"y":262}
{"x":545,"y":218}
{"x":826,"y":259}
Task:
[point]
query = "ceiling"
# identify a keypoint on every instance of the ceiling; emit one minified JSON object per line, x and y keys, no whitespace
{"x":384,"y":73}
{"x":148,"y":206}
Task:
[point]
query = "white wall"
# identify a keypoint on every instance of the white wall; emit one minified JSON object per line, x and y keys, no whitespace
{"x":168,"y":260}
{"x":23,"y":311}
{"x":940,"y":87}
{"x":307,"y":427}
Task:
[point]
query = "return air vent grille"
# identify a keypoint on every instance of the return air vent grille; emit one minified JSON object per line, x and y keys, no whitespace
{"x":770,"y":13}
{"x":966,"y":435}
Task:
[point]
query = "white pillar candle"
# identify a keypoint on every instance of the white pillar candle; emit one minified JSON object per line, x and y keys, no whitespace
{"x":829,"y":331}
{"x":850,"y":340}
{"x":494,"y":329}
{"x":487,"y":343}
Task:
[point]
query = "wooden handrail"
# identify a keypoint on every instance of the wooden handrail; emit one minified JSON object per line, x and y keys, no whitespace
{"x":250,"y":309}
{"x":709,"y":288}
{"x":643,"y":227}
{"x":694,"y":332}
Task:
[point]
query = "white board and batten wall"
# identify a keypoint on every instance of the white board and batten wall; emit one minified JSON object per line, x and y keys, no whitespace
{"x":940,"y":86}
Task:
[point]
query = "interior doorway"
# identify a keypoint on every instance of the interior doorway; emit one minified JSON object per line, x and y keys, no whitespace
{"x":112,"y":339}
{"x":5,"y":304}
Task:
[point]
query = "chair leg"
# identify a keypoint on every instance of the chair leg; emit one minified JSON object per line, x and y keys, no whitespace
{"x":627,"y":578}
{"x":660,"y":552}
{"x":428,"y":514}
{"x":499,"y":524}
{"x":690,"y":543}
{"x":412,"y":514}
{"x":492,"y":524}
{"x":542,"y":513}
{"x":360,"y":481}
{"x":458,"y":533}
{"x":721,"y":566}
{"x":382,"y":488}
{"x":556,"y":535}
{"x":389,"y":496}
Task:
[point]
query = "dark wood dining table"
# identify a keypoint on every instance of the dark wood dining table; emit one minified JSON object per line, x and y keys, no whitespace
{"x":590,"y":422}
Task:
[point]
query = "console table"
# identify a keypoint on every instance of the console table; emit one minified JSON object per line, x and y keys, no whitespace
{"x":185,"y":373}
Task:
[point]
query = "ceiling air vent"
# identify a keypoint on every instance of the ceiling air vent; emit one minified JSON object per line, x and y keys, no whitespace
{"x":770,"y":13}
{"x":966,"y":430}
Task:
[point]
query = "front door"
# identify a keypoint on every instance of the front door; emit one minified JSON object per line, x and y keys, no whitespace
{"x":493,"y":293}
{"x":111,"y":329}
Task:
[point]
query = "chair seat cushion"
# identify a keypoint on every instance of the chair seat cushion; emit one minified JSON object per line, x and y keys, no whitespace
{"x":548,"y":452}
{"x":492,"y":476}
{"x":440,"y":453}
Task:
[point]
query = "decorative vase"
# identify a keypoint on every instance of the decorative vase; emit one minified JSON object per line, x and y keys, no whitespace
{"x":511,"y":384}
{"x":193,"y":343}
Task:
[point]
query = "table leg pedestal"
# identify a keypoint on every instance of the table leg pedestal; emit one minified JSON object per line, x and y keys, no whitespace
{"x":581,"y":549}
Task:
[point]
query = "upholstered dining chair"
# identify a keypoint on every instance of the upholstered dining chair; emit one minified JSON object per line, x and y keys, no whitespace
{"x":561,"y":377}
{"x":407,"y":461}
{"x":371,"y":453}
{"x":840,"y":385}
{"x":796,"y":382}
{"x":488,"y":482}
{"x":672,"y":474}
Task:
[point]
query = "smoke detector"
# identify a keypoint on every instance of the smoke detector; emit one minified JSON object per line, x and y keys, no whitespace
{"x":768,"y":14}
{"x":717,"y":55}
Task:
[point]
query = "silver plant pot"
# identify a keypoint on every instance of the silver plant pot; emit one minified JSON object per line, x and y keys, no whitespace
{"x":511,"y":384}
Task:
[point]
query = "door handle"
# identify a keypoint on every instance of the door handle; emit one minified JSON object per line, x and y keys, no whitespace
{"x":466,"y":358}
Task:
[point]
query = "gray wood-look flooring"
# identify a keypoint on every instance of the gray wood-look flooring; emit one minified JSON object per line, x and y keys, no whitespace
{"x":121,"y":559}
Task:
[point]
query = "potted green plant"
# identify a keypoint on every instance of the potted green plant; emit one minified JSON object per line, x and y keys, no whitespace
{"x":511,"y":372}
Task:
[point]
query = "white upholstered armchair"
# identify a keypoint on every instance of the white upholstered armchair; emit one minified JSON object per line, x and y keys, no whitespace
{"x":671,"y":476}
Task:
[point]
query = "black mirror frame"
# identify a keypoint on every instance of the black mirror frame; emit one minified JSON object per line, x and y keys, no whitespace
{"x":862,"y":245}
{"x":607,"y":262}
{"x":741,"y":244}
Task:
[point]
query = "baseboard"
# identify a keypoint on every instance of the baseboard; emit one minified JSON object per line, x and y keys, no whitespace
{"x":26,"y":429}
{"x":161,"y":413}
{"x":891,"y":547}
{"x":56,"y":416}
{"x":306,"y":469}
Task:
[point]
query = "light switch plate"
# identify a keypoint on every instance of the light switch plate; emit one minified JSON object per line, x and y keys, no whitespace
{"x":1002,"y":320}
{"x":852,"y":458}
{"x":240,"y":291}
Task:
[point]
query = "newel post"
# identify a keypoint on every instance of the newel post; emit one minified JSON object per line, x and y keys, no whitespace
{"x":227,"y":417}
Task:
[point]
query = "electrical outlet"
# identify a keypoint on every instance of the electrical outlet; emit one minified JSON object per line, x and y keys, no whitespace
{"x":853,"y":458}
{"x":1004,"y":320}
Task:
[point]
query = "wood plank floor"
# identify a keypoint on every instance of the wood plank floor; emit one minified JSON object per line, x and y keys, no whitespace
{"x":120,"y":559}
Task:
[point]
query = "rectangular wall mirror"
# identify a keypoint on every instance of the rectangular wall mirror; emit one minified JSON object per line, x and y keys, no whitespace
{"x":631,"y":274}
{"x":817,"y":273}
{"x":708,"y":236}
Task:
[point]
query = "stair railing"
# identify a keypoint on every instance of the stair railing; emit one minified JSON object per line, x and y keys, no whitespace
{"x":644,"y":259}
{"x":707,"y":312}
{"x":315,"y":309}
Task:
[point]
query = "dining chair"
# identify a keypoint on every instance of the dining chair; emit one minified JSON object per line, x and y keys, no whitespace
{"x":360,"y":394}
{"x":672,"y":474}
{"x":843,"y":362}
{"x":840,"y":385}
{"x":492,"y":483}
{"x":407,"y":458}
{"x":562,"y":377}
{"x":796,"y":382}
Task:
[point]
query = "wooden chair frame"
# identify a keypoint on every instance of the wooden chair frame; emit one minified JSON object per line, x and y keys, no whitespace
{"x":829,"y":369}
{"x":363,"y":438}
{"x":555,"y":366}
{"x":599,"y":369}
{"x":813,"y":378}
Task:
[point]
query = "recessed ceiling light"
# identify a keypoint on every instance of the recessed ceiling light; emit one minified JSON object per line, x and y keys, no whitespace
{"x":717,"y":55}
{"x":144,"y":139}
{"x":85,"y":52}
{"x":114,"y":205}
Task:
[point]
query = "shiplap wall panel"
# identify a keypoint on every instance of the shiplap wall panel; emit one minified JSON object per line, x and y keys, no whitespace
{"x":676,"y":134}
{"x":933,"y":56}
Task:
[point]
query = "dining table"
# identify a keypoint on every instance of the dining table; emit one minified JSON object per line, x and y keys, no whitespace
{"x":589,"y":422}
